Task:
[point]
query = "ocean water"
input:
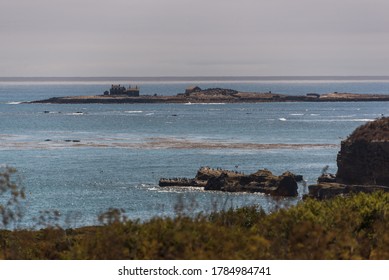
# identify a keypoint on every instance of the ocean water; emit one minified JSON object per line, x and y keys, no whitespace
{"x":83,"y":159}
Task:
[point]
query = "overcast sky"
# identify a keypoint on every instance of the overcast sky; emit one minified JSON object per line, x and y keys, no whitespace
{"x":193,"y":38}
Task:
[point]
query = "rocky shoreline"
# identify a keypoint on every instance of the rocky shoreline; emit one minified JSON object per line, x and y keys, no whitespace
{"x":216,"y":95}
{"x":363,"y":166}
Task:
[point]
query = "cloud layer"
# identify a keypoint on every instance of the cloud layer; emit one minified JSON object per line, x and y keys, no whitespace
{"x":186,"y":37}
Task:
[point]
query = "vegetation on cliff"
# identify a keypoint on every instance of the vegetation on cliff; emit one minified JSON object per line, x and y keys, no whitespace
{"x":377,"y":130}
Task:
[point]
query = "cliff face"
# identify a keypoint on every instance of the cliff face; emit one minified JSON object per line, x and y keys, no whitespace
{"x":364,"y":155}
{"x":363,"y":163}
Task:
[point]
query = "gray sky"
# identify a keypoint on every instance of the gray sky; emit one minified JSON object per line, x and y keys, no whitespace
{"x":193,"y":37}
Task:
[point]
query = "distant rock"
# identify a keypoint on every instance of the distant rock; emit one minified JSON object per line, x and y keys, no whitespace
{"x":177,"y":182}
{"x":262,"y":181}
{"x":217,"y":91}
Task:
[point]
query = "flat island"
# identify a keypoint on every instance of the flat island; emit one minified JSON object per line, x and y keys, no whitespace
{"x":119,"y":94}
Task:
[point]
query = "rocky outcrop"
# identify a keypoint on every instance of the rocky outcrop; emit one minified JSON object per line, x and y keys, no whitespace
{"x":364,"y":155}
{"x":178,"y":182}
{"x":215,"y":92}
{"x":363,"y":163}
{"x":262,"y":181}
{"x":330,"y":190}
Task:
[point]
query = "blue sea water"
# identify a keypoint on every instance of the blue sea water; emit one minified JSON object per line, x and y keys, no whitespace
{"x":82,"y":159}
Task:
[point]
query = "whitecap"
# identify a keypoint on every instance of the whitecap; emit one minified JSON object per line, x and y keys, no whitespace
{"x":76,"y":114}
{"x":14,"y":103}
{"x":282,"y":119}
{"x":296,"y":114}
{"x":362,"y":120}
{"x":133,"y":112}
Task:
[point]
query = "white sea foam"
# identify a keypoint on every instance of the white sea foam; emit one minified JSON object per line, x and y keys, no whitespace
{"x":362,"y":120}
{"x":133,"y":112}
{"x":337,"y":120}
{"x":76,"y":114}
{"x":14,"y":102}
{"x":282,"y":119}
{"x":296,"y":114}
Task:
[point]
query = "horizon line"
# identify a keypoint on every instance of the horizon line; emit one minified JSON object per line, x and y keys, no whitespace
{"x":208,"y":77}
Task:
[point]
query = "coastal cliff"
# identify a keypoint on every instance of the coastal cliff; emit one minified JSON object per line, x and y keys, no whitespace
{"x":364,"y":156}
{"x":363,"y":163}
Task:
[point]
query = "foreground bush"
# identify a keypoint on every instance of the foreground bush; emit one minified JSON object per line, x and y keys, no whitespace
{"x":343,"y":228}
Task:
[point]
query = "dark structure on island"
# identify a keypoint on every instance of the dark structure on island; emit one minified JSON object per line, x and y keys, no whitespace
{"x":192,"y":89}
{"x":121,"y":90}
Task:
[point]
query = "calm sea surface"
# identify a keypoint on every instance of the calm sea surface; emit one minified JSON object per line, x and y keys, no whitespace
{"x":84,"y":159}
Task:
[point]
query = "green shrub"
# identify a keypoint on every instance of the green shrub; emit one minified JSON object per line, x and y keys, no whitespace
{"x":354,"y":227}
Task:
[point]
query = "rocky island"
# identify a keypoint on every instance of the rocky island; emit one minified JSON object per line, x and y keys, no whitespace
{"x":119,"y":94}
{"x":262,"y":181}
{"x":363,"y":163}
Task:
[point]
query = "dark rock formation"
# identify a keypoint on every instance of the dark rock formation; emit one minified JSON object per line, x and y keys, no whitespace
{"x":262,"y":181}
{"x":364,"y":156}
{"x":216,"y":91}
{"x":330,"y":190}
{"x":177,"y":182}
{"x":363,"y":163}
{"x":327,"y":178}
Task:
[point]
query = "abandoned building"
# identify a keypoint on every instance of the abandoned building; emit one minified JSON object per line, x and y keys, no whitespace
{"x":121,"y":90}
